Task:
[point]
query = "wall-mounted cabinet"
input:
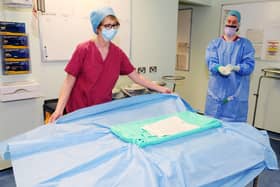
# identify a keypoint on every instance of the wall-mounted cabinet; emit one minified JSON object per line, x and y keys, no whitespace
{"x":14,"y":48}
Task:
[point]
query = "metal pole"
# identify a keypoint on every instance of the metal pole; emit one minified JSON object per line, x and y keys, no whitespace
{"x":257,"y":98}
{"x":258,"y":93}
{"x":174,"y":86}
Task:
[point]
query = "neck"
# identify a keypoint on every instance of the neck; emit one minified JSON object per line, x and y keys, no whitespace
{"x":101,"y":43}
{"x":230,"y":38}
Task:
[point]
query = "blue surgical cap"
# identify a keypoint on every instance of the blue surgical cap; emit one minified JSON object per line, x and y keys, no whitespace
{"x":236,"y":14}
{"x":97,"y":16}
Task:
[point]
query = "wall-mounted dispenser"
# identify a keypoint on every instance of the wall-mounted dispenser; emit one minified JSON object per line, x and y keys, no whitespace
{"x":12,"y":91}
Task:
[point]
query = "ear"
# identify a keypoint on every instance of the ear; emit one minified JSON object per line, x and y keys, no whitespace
{"x":98,"y":30}
{"x":237,"y":29}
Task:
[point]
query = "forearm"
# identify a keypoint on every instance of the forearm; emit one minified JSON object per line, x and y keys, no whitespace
{"x":212,"y":60}
{"x":65,"y":92}
{"x":246,"y":68}
{"x":247,"y":63}
{"x":139,"y":79}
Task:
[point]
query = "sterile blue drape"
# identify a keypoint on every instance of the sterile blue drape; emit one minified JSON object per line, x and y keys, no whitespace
{"x":80,"y":150}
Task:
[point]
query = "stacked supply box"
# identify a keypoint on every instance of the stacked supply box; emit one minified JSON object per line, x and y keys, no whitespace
{"x":14,"y":48}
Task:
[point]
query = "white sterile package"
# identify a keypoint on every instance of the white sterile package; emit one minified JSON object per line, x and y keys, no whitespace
{"x":169,"y":126}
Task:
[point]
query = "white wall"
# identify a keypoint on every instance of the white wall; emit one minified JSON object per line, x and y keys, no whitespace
{"x":154,"y":33}
{"x":151,"y":20}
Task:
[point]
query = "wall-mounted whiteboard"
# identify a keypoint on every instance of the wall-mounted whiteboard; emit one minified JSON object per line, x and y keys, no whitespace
{"x":66,"y":23}
{"x":259,"y":23}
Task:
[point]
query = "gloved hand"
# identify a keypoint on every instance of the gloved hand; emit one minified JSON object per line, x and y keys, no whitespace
{"x":233,"y":68}
{"x":223,"y":70}
{"x":236,"y":68}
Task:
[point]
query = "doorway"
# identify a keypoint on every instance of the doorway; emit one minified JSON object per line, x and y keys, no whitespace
{"x":183,"y":39}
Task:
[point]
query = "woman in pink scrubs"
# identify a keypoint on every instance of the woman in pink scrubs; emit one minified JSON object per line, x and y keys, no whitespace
{"x":95,"y":67}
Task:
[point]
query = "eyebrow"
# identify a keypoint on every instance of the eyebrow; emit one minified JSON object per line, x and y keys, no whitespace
{"x":115,"y":23}
{"x":229,"y":20}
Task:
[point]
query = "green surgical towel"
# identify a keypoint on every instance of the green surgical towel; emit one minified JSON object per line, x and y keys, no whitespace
{"x":133,"y":132}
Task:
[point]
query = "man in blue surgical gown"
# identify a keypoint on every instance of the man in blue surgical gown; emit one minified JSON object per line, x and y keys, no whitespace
{"x":230,"y":60}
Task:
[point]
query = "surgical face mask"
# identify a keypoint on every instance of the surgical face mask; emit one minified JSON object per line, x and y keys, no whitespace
{"x":109,"y":34}
{"x":230,"y":30}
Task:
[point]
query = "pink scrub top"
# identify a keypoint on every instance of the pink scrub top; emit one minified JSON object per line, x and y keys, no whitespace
{"x":95,"y":77}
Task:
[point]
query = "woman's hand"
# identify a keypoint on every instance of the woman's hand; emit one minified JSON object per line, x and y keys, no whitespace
{"x":162,"y":89}
{"x":63,"y":98}
{"x":55,"y":116}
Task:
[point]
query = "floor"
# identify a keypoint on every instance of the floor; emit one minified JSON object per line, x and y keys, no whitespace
{"x":7,"y":178}
{"x":266,"y":179}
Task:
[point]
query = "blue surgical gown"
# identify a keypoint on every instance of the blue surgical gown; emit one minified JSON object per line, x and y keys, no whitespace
{"x":227,"y":96}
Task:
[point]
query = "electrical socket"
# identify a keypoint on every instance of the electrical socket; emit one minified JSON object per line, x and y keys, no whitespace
{"x":153,"y":69}
{"x":141,"y":70}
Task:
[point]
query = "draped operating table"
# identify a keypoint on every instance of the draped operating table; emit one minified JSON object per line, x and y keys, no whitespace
{"x":81,"y":150}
